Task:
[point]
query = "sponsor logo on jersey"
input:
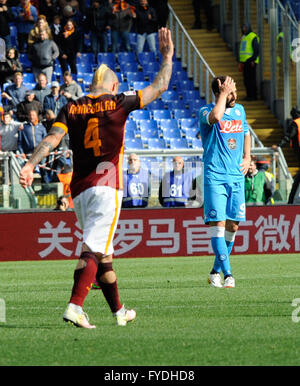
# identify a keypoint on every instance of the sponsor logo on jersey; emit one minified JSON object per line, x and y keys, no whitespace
{"x":234,"y":126}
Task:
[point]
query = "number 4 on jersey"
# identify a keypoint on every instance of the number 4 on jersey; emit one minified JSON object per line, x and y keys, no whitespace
{"x":91,"y":137}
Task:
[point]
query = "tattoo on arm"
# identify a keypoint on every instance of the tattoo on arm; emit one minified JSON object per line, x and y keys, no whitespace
{"x":162,"y":79}
{"x":47,"y":145}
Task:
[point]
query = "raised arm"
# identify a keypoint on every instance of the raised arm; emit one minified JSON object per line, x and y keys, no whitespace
{"x":43,"y":149}
{"x":162,"y":79}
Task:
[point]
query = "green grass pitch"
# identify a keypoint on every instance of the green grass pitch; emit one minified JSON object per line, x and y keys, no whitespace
{"x":181,"y":320}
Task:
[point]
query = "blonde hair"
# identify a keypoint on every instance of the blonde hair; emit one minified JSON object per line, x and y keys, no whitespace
{"x":98,"y":78}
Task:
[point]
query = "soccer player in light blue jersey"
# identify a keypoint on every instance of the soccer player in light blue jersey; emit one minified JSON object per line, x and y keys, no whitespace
{"x":226,"y":142}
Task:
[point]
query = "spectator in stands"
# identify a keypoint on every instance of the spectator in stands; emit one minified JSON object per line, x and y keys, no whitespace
{"x":162,"y":11}
{"x":69,"y":47}
{"x":29,"y":103}
{"x":41,"y":89}
{"x":258,"y":189}
{"x":176,"y":187}
{"x":69,"y":3}
{"x":32,"y":134}
{"x":263,"y":165}
{"x":49,"y":8}
{"x":9,"y":130}
{"x":25,"y":16}
{"x":136,"y":184}
{"x":70,"y":89}
{"x":62,"y":204}
{"x":14,"y":93}
{"x":6,"y":17}
{"x":121,"y":19}
{"x":294,"y":197}
{"x":41,"y":24}
{"x":49,"y":119}
{"x":43,"y":53}
{"x":292,"y":134}
{"x":206,"y":5}
{"x":248,"y":59}
{"x":97,"y":23}
{"x":30,"y":137}
{"x":55,"y":100}
{"x":146,"y":26}
{"x":11,"y":65}
{"x":56,"y":28}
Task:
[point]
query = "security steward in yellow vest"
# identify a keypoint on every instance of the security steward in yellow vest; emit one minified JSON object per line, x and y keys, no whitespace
{"x":249,"y":58}
{"x":292,"y":134}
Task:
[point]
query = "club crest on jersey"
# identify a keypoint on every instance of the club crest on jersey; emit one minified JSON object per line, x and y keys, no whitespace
{"x":234,"y":126}
{"x":231,"y":143}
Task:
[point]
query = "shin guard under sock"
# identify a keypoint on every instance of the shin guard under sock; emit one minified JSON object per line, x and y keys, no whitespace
{"x":83,"y":278}
{"x":110,"y":290}
{"x":220,"y":249}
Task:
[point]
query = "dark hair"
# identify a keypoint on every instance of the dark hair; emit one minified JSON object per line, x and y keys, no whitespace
{"x":215,"y":83}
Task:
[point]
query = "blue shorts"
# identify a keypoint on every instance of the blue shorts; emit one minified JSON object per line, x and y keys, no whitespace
{"x":224,"y":201}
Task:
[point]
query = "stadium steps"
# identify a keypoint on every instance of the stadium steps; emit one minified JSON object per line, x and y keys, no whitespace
{"x":222,"y":61}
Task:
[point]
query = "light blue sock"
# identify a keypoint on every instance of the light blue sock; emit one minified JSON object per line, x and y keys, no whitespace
{"x":220,"y":249}
{"x":229,"y":238}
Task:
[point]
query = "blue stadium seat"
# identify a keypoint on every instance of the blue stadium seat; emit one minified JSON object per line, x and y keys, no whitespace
{"x":86,"y":58}
{"x":170,"y":123}
{"x":126,"y":67}
{"x":107,"y":58}
{"x":25,"y":61}
{"x":149,"y":133}
{"x":178,"y":143}
{"x":124,"y":86}
{"x":151,"y":67}
{"x":156,"y":143}
{"x":134,"y":144}
{"x":137,"y":115}
{"x":197,"y":143}
{"x":196,"y":104}
{"x":87,"y":78}
{"x":190,"y":132}
{"x":125,"y":57}
{"x":170,"y":95}
{"x":157,"y":104}
{"x":28,"y":77}
{"x":190,"y":95}
{"x":147,"y":124}
{"x":146,"y":57}
{"x":174,"y":105}
{"x":134,"y":77}
{"x":188,"y":122}
{"x":181,"y":113}
{"x":130,"y":125}
{"x":161,"y":114}
{"x":84,"y":68}
{"x":169,"y":133}
{"x":140,"y":85}
{"x":13,"y":35}
{"x":129,"y":134}
{"x":29,"y":85}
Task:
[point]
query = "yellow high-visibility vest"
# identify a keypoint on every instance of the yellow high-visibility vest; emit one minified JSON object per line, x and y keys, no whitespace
{"x":246,"y":49}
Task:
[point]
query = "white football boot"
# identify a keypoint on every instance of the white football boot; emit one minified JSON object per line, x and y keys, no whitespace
{"x":229,"y":282}
{"x":215,"y":280}
{"x":124,"y":316}
{"x":75,"y":315}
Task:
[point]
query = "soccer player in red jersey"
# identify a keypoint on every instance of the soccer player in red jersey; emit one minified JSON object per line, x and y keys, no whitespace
{"x":96,"y":127}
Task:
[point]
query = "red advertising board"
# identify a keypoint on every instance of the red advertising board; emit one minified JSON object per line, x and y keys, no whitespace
{"x":147,"y":233}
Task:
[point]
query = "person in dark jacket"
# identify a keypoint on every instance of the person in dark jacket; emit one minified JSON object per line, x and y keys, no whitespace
{"x":32,"y":134}
{"x":292,"y":134}
{"x":30,"y":103}
{"x":55,"y":100}
{"x":146,"y":26}
{"x":43,"y":54}
{"x":69,"y":47}
{"x":11,"y":65}
{"x":294,"y":196}
{"x":97,"y":23}
{"x":6,"y":17}
{"x":121,"y":19}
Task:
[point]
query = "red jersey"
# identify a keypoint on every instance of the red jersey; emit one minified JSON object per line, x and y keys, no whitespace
{"x":96,"y":127}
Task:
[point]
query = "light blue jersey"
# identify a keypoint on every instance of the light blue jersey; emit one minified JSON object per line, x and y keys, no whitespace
{"x":223,"y":144}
